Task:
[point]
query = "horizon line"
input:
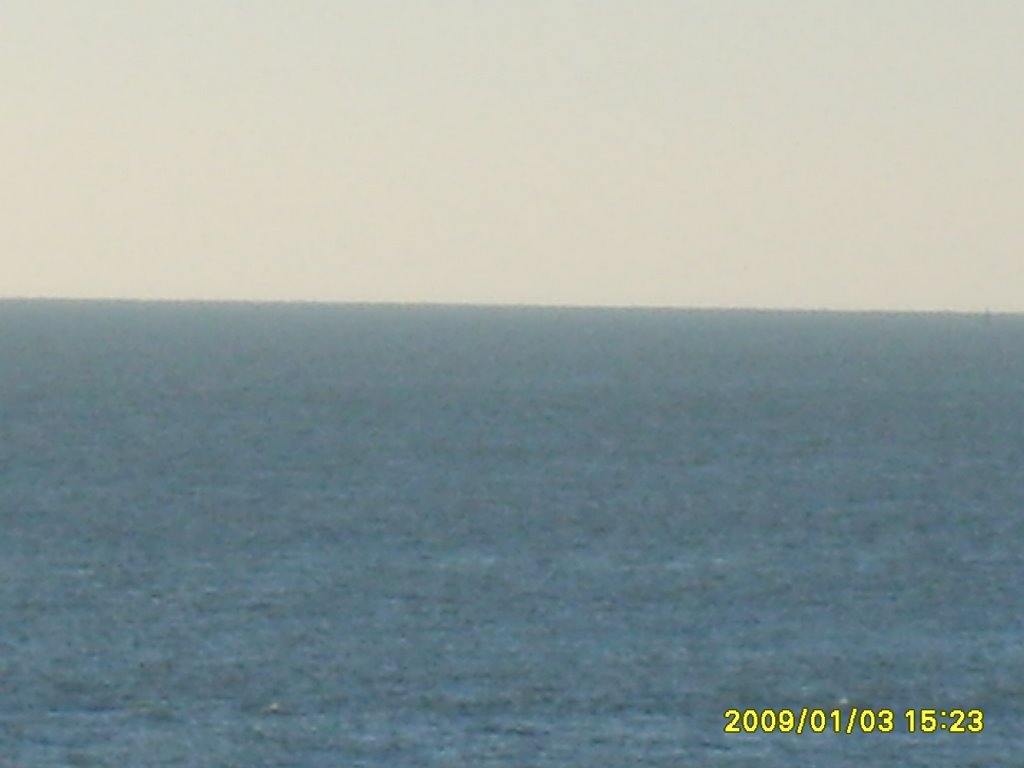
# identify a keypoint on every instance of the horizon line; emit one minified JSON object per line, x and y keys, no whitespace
{"x":987,"y":311}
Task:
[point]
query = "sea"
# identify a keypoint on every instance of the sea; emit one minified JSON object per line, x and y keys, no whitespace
{"x":369,"y":536}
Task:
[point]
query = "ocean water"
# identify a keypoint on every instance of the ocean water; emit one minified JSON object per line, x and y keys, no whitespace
{"x":259,"y":535}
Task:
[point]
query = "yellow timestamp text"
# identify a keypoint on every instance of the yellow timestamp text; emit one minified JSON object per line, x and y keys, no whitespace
{"x":853,"y":720}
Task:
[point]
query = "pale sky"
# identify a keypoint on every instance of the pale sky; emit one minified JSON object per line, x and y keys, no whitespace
{"x":845,"y":154}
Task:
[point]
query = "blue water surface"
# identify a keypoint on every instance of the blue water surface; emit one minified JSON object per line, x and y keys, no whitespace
{"x":273,"y":535}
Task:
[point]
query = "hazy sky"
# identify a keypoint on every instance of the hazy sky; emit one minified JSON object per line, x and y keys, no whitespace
{"x":779,"y":153}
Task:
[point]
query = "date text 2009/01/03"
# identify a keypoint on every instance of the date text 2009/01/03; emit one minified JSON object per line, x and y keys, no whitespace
{"x":854,"y":720}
